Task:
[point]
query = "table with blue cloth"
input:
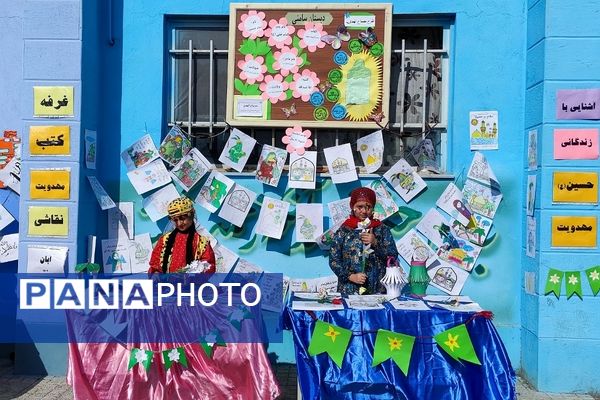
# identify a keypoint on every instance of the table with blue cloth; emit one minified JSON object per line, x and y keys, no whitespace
{"x":432,"y":374}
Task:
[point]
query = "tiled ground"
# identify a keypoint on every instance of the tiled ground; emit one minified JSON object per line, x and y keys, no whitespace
{"x":55,"y":388}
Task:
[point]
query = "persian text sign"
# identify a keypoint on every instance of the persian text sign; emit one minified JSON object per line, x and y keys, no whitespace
{"x":574,"y":231}
{"x":578,"y":104}
{"x":575,"y":187}
{"x":576,"y":144}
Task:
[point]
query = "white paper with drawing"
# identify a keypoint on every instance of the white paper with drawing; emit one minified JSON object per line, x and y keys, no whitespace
{"x":150,"y":176}
{"x":270,"y":165}
{"x":91,"y":149}
{"x":213,"y":192}
{"x":339,"y":210}
{"x":237,"y":150}
{"x":481,"y":199}
{"x":120,"y":221}
{"x":481,"y":171}
{"x":454,"y":204}
{"x":476,"y":233}
{"x":156,"y":205}
{"x":327,"y":283}
{"x":237,"y":204}
{"x":46,"y":259}
{"x":103,"y":198}
{"x":115,"y":256}
{"x":405,"y":181}
{"x":303,"y":170}
{"x":340,"y":162}
{"x":446,"y":277}
{"x":5,"y":217}
{"x":191,"y":169}
{"x":309,"y":222}
{"x":435,"y":227}
{"x":9,"y":247}
{"x":140,"y":153}
{"x":224,"y":258}
{"x":272,"y":217}
{"x":371,"y":151}
{"x":412,"y":247}
{"x":140,"y":251}
{"x":385,"y":206}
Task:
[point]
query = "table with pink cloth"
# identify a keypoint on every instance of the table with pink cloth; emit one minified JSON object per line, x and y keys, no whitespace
{"x":100,"y":370}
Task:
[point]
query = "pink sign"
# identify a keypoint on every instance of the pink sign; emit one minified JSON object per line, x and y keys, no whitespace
{"x":578,"y":104}
{"x":575,"y":144}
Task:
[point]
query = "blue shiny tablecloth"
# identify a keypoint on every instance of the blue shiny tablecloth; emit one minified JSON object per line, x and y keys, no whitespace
{"x":433,"y":375}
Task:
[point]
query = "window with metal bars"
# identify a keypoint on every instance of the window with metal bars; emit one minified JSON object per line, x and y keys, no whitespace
{"x":196,"y":98}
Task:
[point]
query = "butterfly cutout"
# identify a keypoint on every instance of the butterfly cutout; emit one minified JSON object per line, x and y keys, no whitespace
{"x":368,"y":37}
{"x":376,"y":117}
{"x":323,"y":86}
{"x":289,"y":111}
{"x":336,"y":40}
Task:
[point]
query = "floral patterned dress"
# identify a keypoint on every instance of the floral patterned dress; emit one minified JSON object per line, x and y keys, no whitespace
{"x":345,"y":258}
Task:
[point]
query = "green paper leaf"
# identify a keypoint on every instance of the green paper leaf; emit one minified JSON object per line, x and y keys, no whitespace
{"x":253,"y":89}
{"x":239,"y":86}
{"x":288,"y":94}
{"x":554,"y":282}
{"x":248,"y":46}
{"x":262,"y":48}
{"x":330,"y":339}
{"x":269,"y":60}
{"x":396,"y":346}
{"x":457,"y":343}
{"x":305,"y":62}
{"x":593,"y":275}
{"x":289,"y":78}
{"x":573,"y":283}
{"x":296,"y":44}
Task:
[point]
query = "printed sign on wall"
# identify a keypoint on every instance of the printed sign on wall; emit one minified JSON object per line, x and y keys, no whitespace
{"x":48,"y":221}
{"x":574,"y":231}
{"x":49,"y":140}
{"x":53,"y":101}
{"x":576,"y":144}
{"x":50,"y":184}
{"x":575,"y":187}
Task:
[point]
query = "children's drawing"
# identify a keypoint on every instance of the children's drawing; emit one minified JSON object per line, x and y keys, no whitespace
{"x":103,"y":198}
{"x":115,"y":256}
{"x":174,"y":146}
{"x":483,"y":130}
{"x":531,"y":183}
{"x":481,"y":172}
{"x":237,"y":150}
{"x":405,"y":181}
{"x":309,"y":222}
{"x":458,"y":252}
{"x":270,"y":165}
{"x":224,"y":259}
{"x":371,"y":151}
{"x":149,"y":176}
{"x":272,"y":217}
{"x":446,"y":277}
{"x":455,"y":205}
{"x":339,"y":210}
{"x":303,"y":170}
{"x":237,"y":205}
{"x":480,"y":198}
{"x":140,"y":153}
{"x":140,"y":249}
{"x":412,"y":247}
{"x":530,"y":245}
{"x":212,"y":195}
{"x":424,"y":155}
{"x":385,"y":206}
{"x":191,"y":169}
{"x":120,"y":221}
{"x":476,"y":233}
{"x":90,"y":149}
{"x":532,"y":150}
{"x":435,"y":227}
{"x":340,"y":162}
{"x":157,"y":203}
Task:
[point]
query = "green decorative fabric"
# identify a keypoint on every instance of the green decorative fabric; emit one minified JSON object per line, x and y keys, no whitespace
{"x":457,"y":343}
{"x":554,"y":282}
{"x":396,"y":346}
{"x":593,"y":275}
{"x":573,"y":282}
{"x":330,"y":339}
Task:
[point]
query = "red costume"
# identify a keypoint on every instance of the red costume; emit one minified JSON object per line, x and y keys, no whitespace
{"x":201,"y":244}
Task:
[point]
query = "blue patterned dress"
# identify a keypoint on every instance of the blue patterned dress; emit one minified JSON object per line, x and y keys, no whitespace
{"x":345,"y":258}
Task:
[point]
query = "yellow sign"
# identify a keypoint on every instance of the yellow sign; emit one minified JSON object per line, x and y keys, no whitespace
{"x":50,"y":184}
{"x":53,"y":101}
{"x":49,"y":140}
{"x":572,"y":231}
{"x":575,"y":187}
{"x":48,"y":221}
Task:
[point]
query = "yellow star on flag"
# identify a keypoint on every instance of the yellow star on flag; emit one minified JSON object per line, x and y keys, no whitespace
{"x":394,"y":343}
{"x":332,"y":333}
{"x":594,"y":275}
{"x":452,"y":342}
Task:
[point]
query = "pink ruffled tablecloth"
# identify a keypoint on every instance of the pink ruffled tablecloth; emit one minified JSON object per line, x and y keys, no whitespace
{"x":236,"y":371}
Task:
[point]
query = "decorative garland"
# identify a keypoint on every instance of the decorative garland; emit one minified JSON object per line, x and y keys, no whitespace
{"x":572,"y":281}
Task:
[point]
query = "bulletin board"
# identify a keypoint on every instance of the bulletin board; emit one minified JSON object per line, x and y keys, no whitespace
{"x":319,"y":65}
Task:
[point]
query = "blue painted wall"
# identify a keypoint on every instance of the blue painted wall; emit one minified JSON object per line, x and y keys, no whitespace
{"x":560,"y":337}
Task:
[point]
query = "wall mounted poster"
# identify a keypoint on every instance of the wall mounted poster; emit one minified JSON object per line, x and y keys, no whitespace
{"x":49,"y":140}
{"x":310,"y":64}
{"x":483,"y":129}
{"x":576,"y":144}
{"x":54,"y":184}
{"x":48,"y":221}
{"x":574,"y":231}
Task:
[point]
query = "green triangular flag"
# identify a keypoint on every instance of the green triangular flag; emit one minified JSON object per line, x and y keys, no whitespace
{"x":174,"y":355}
{"x":593,"y":275}
{"x":554,"y":282}
{"x":573,"y":282}
{"x":331,"y":339}
{"x":457,"y":343}
{"x":139,"y":356}
{"x":90,"y":267}
{"x":210,"y":341}
{"x":393,"y":345}
{"x":238,"y":316}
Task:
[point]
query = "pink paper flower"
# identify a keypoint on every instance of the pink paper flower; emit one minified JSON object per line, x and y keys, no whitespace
{"x":273,"y":88}
{"x":297,"y":140}
{"x":279,"y":33}
{"x":311,"y":36}
{"x":253,"y":24}
{"x":287,"y":60}
{"x":252,"y":68}
{"x":304,"y":84}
